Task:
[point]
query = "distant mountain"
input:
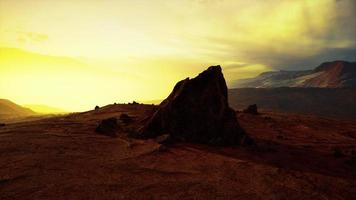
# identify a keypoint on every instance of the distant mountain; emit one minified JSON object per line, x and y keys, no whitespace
{"x":324,"y":102}
{"x":10,"y":109}
{"x":336,"y":74}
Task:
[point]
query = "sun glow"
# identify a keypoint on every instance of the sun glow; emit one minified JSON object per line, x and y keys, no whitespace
{"x":78,"y":54}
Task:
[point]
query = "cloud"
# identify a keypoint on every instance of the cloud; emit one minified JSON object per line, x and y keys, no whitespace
{"x":285,"y":61}
{"x":30,"y":37}
{"x":294,"y":35}
{"x":277,"y":34}
{"x":36,"y":37}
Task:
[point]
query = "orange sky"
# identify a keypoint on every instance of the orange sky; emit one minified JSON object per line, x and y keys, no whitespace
{"x":75,"y":54}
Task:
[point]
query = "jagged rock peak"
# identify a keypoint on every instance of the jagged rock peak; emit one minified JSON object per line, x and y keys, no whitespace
{"x":197,"y":111}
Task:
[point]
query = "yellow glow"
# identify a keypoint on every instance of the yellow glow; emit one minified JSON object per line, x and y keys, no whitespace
{"x":78,"y":54}
{"x":33,"y":79}
{"x":44,"y":109}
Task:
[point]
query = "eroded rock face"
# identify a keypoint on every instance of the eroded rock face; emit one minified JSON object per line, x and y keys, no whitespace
{"x":197,"y":111}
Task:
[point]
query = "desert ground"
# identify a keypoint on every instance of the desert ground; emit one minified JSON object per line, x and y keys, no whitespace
{"x":62,"y":157}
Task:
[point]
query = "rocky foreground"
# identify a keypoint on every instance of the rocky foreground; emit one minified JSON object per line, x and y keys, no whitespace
{"x":295,"y":157}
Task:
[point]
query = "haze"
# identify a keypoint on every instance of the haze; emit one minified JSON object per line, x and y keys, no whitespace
{"x":78,"y":54}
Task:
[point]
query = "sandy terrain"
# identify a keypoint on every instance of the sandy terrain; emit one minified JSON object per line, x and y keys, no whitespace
{"x":63,"y":158}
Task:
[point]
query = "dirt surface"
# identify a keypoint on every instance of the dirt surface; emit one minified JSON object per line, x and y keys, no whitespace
{"x":296,"y":157}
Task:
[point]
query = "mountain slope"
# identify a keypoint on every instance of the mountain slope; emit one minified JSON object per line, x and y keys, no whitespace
{"x":324,"y":102}
{"x":336,"y":74}
{"x":8,"y":108}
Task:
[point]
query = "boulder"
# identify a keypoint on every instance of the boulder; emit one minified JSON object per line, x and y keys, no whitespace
{"x":251,"y":109}
{"x":108,"y":127}
{"x":197,"y":111}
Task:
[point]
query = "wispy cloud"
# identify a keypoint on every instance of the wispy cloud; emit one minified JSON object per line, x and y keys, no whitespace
{"x":277,"y":34}
{"x":31,"y":37}
{"x":292,"y":35}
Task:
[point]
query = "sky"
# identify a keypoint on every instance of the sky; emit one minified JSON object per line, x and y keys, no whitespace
{"x":75,"y":54}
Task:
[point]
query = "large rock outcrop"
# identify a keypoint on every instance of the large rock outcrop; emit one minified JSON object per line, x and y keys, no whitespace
{"x":197,"y":111}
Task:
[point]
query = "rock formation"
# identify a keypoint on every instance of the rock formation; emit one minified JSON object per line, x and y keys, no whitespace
{"x":251,"y":109}
{"x":108,"y":127}
{"x":197,"y":111}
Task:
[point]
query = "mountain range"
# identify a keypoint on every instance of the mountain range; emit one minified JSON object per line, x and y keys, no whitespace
{"x":335,"y":74}
{"x":10,"y":109}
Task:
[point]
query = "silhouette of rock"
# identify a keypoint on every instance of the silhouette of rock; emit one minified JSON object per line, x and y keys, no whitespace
{"x":108,"y":127}
{"x":96,"y":108}
{"x":251,"y":109}
{"x":134,"y":103}
{"x":197,"y":111}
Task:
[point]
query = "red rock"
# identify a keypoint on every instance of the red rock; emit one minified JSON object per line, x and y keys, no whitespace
{"x":197,"y":111}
